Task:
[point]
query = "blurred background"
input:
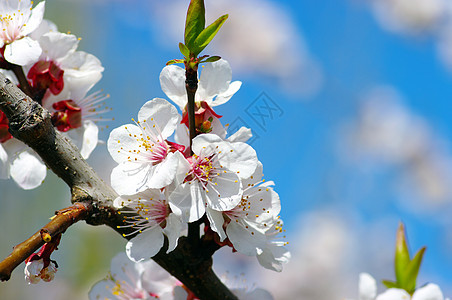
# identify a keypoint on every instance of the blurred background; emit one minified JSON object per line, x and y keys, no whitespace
{"x":350,"y":106}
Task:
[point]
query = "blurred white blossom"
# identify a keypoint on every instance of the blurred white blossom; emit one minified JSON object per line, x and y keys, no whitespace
{"x":387,"y":132}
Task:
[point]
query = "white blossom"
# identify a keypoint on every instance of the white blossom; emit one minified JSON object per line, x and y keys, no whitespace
{"x":155,"y":220}
{"x":145,"y":158}
{"x":18,"y":19}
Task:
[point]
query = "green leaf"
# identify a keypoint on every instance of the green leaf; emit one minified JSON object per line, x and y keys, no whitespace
{"x":206,"y":36}
{"x":390,"y":284}
{"x":195,"y":22}
{"x":184,"y":50}
{"x":402,"y":255}
{"x":174,"y":61}
{"x":412,"y":271}
{"x":211,"y":59}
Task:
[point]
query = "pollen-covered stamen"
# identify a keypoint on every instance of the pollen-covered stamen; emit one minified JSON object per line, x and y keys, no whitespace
{"x":93,"y":106}
{"x":4,"y":126}
{"x":147,"y":213}
{"x":68,"y":115}
{"x":152,"y":148}
{"x":124,"y":290}
{"x":46,"y":75}
{"x":275,"y":231}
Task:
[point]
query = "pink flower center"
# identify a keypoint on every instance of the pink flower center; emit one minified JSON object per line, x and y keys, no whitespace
{"x":4,"y":126}
{"x":67,"y":116}
{"x":202,"y":169}
{"x":46,"y":75}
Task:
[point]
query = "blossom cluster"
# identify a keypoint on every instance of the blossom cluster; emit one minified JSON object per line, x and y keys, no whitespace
{"x":46,"y":63}
{"x":147,"y":280}
{"x":218,"y":181}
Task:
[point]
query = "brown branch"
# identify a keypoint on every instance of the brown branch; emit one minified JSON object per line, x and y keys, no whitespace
{"x":30,"y":123}
{"x":60,"y":222}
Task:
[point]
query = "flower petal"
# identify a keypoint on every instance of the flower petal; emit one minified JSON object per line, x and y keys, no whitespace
{"x":145,"y":245}
{"x":274,"y":257}
{"x":226,"y":95}
{"x":187,"y":201}
{"x":90,"y":138}
{"x":245,"y":241}
{"x":241,"y":135}
{"x":393,"y":294}
{"x":161,"y":117}
{"x":214,"y":80}
{"x":173,"y":229}
{"x":429,"y":292}
{"x":367,"y":287}
{"x":224,"y":191}
{"x":37,"y":14}
{"x":172,"y":81}
{"x":56,"y":45}
{"x":28,"y":171}
{"x":216,"y":222}
{"x":23,"y":52}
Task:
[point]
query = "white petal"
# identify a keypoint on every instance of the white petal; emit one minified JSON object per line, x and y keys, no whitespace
{"x":23,"y":52}
{"x":214,"y":80}
{"x":429,"y":292}
{"x":122,"y":140}
{"x":241,"y":135}
{"x":44,"y":27}
{"x":172,"y":81}
{"x":225,"y":96}
{"x":145,"y":245}
{"x":56,"y":45}
{"x":216,"y":222}
{"x":256,"y":177}
{"x":274,"y":257}
{"x":224,"y":191}
{"x":173,"y":230}
{"x":90,"y":138}
{"x":160,"y":113}
{"x":182,"y":136}
{"x":187,"y":201}
{"x":102,"y":290}
{"x":243,"y":240}
{"x":394,"y":294}
{"x":238,"y":157}
{"x":28,"y":171}
{"x":35,"y":20}
{"x":367,"y":287}
{"x":129,"y":178}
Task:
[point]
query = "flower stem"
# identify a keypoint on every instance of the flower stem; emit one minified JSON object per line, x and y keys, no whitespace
{"x":191,"y":85}
{"x":23,"y":82}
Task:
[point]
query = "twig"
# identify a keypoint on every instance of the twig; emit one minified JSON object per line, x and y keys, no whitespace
{"x":60,"y":222}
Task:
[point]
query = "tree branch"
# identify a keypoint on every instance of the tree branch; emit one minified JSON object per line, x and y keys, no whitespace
{"x":30,"y":123}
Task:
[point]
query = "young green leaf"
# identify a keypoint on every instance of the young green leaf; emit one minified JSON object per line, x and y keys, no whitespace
{"x":211,"y":59}
{"x":184,"y":50}
{"x":412,"y":271}
{"x":402,"y":255}
{"x":206,"y":36}
{"x":195,"y":22}
{"x":174,"y":61}
{"x":390,"y":284}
